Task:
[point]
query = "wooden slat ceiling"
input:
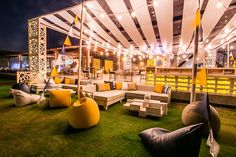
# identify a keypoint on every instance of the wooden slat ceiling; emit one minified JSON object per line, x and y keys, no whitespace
{"x":158,"y":26}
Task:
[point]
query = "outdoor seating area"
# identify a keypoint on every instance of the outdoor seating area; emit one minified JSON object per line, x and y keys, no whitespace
{"x":127,"y":78}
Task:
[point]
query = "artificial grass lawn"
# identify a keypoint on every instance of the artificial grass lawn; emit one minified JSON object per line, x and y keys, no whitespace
{"x":38,"y":131}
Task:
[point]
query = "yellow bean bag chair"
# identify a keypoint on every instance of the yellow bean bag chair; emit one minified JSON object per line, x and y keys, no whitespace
{"x":84,"y":114}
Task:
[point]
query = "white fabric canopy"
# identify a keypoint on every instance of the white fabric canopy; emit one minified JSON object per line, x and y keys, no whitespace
{"x":146,"y":25}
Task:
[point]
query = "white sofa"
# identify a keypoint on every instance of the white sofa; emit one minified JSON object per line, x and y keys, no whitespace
{"x":107,"y":98}
{"x":141,"y":90}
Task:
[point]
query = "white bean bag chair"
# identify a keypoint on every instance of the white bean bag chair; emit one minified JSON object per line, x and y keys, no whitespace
{"x":21,"y":98}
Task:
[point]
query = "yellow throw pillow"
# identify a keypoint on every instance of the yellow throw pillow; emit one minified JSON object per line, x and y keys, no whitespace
{"x":72,"y":81}
{"x":107,"y":86}
{"x":59,"y":98}
{"x":131,"y":86}
{"x":57,"y":80}
{"x":159,"y":88}
{"x":67,"y":81}
{"x":119,"y":85}
{"x":101,"y":87}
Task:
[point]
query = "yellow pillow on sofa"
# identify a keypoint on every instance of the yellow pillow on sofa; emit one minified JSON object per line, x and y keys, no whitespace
{"x":67,"y":81}
{"x":57,"y":80}
{"x":131,"y":86}
{"x":59,"y":98}
{"x":107,"y":86}
{"x":119,"y":85}
{"x":159,"y":88}
{"x":100,"y":87}
{"x":72,"y":81}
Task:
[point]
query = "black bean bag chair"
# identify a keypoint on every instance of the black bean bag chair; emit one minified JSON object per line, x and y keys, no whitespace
{"x":184,"y":142}
{"x":21,"y":86}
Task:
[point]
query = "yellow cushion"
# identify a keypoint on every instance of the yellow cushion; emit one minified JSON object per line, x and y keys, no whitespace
{"x":59,"y":98}
{"x":119,"y":85}
{"x":159,"y":88}
{"x":72,"y":81}
{"x":57,"y":80}
{"x":84,"y":114}
{"x":107,"y":86}
{"x":101,"y":87}
{"x":131,"y":86}
{"x":67,"y":81}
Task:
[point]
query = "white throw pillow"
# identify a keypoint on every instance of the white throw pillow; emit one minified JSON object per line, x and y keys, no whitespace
{"x":124,"y":85}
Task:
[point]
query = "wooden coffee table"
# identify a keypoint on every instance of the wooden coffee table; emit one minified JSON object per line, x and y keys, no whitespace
{"x":154,"y":108}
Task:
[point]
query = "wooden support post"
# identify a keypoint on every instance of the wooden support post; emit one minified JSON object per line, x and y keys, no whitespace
{"x":194,"y":67}
{"x":80,"y":49}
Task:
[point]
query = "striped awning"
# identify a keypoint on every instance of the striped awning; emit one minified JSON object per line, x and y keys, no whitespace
{"x":149,"y":26}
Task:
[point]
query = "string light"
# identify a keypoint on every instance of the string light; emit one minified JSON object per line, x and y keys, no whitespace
{"x":155,"y":3}
{"x":226,"y":30}
{"x":219,"y":5}
{"x":88,"y":46}
{"x":133,"y":14}
{"x":102,"y":15}
{"x":119,"y":17}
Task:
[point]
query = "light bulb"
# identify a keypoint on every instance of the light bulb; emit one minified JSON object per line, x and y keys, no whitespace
{"x":133,"y":14}
{"x":155,"y":2}
{"x":102,"y":15}
{"x":219,"y":4}
{"x":119,"y":17}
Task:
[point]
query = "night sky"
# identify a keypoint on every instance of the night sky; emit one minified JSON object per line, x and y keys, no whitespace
{"x":14,"y":15}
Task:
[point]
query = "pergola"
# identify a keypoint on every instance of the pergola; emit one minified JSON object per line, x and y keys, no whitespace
{"x":138,"y":27}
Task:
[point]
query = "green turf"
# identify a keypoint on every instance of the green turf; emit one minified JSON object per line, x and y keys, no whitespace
{"x":38,"y":131}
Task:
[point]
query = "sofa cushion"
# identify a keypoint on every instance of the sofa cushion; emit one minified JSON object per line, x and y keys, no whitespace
{"x":89,"y":88}
{"x":100,"y":87}
{"x":67,"y":80}
{"x":124,"y":85}
{"x":109,"y":95}
{"x":140,"y":95}
{"x":119,"y":85}
{"x":131,"y":86}
{"x":111,"y":84}
{"x":159,"y":88}
{"x":107,"y":86}
{"x":145,"y":87}
{"x":166,"y":89}
{"x":72,"y":81}
{"x":57,"y":80}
